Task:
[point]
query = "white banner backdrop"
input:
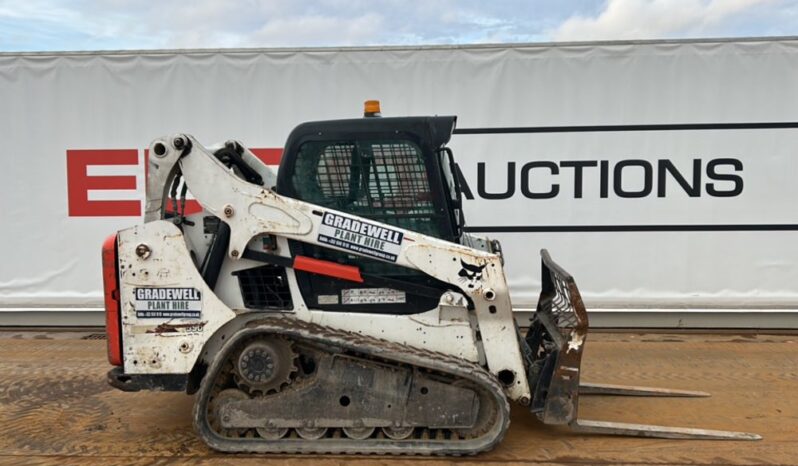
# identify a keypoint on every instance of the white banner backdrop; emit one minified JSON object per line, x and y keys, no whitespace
{"x":643,"y":210}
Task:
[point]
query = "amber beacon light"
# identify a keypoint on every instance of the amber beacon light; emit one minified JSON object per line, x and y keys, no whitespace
{"x":371,"y":108}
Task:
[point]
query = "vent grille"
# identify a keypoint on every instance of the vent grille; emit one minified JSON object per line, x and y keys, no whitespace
{"x":265,"y":287}
{"x":94,"y":336}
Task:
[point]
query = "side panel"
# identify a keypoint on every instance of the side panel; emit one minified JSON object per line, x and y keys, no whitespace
{"x":167,"y":310}
{"x":171,"y":345}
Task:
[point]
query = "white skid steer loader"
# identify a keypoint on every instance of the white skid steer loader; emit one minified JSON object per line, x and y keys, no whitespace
{"x":337,"y":305}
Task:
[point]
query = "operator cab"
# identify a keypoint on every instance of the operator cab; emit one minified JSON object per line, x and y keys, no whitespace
{"x":392,"y":170}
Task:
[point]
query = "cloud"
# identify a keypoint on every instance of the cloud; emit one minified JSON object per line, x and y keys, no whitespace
{"x":106,"y":24}
{"x":649,"y":19}
{"x":32,"y":25}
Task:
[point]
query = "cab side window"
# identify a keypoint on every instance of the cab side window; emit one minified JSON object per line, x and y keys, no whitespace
{"x":384,"y":181}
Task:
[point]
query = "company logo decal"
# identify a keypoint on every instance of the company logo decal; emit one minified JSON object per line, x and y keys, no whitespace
{"x":470,"y":274}
{"x":362,"y":237}
{"x":167,"y":303}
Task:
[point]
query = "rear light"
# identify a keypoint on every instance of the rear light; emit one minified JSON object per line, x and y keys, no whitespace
{"x":111,"y":295}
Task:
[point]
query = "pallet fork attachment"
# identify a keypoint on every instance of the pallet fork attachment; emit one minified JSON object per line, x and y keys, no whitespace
{"x":554,"y":345}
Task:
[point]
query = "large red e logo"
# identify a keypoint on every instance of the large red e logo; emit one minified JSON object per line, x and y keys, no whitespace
{"x":79,"y":183}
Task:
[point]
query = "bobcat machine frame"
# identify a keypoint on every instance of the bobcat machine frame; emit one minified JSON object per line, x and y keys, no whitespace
{"x":337,"y":306}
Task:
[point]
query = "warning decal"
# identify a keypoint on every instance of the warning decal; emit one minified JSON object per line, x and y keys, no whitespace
{"x":170,"y":303}
{"x":358,"y":236}
{"x":372,"y":296}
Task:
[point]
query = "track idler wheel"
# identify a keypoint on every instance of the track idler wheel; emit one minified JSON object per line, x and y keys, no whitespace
{"x":226,"y":396}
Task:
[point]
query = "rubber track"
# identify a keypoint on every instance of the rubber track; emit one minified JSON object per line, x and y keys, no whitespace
{"x":372,"y":347}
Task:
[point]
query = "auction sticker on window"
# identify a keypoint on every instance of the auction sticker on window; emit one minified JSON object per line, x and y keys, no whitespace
{"x":358,"y":236}
{"x":170,"y":303}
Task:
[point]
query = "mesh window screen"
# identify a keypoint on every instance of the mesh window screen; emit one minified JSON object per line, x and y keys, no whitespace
{"x":382,"y":180}
{"x":333,"y":174}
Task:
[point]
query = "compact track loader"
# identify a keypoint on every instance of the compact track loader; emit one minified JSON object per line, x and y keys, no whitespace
{"x":337,"y":305}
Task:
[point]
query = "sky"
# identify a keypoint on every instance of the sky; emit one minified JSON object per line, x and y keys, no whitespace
{"x":53,"y":25}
